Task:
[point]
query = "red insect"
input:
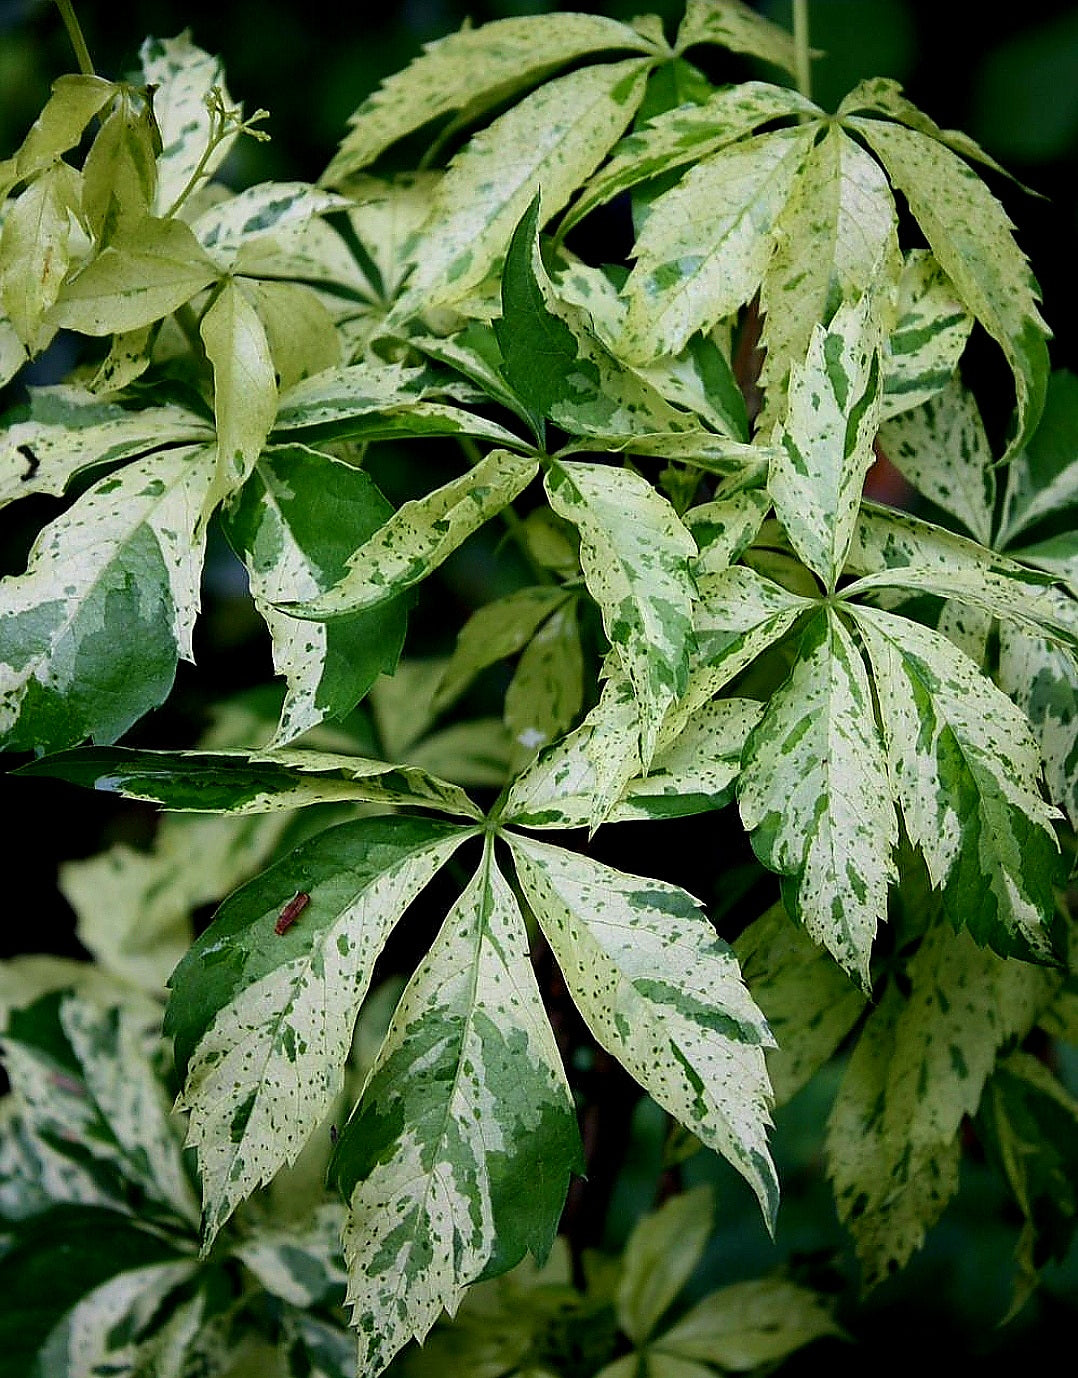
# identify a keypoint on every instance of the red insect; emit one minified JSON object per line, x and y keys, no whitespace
{"x":291,"y":912}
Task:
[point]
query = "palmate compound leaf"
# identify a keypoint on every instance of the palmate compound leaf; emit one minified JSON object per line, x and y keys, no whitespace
{"x":919,"y":1067}
{"x":420,"y":535}
{"x":295,"y":522}
{"x":965,"y":770}
{"x":263,"y":1019}
{"x":815,"y":795}
{"x":662,"y":993}
{"x":457,"y":1159}
{"x":90,"y":635}
{"x":635,"y":555}
{"x":471,"y":71}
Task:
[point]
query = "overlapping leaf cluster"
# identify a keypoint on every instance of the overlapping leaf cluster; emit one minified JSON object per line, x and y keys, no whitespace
{"x":856,"y":678}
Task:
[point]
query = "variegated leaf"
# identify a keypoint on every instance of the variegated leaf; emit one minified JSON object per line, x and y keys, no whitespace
{"x":457,"y":1159}
{"x":299,"y":1261}
{"x":12,"y":350}
{"x":635,"y":555}
{"x":809,"y":1004}
{"x":685,"y":134}
{"x":706,"y":243}
{"x":969,"y":234}
{"x":91,"y":633}
{"x":472,"y":70}
{"x":386,"y":214}
{"x":1042,"y":680}
{"x":836,"y":240}
{"x":724,"y":527}
{"x":499,"y":629}
{"x":301,"y":333}
{"x":662,"y":993}
{"x":551,"y":142}
{"x":68,"y":431}
{"x":119,"y":176}
{"x":824,"y":448}
{"x":546,"y":694}
{"x":226,"y":229}
{"x":263,"y":1030}
{"x":34,"y":1177}
{"x":36,"y":252}
{"x":127,"y":360}
{"x":815,"y":794}
{"x":941,"y":447}
{"x":930,"y":331}
{"x":1043,"y":478}
{"x":294,"y":524}
{"x":918,"y":1069}
{"x":244,"y":385}
{"x":965,"y":769}
{"x":736,"y":26}
{"x":1057,"y":556}
{"x":420,"y":535}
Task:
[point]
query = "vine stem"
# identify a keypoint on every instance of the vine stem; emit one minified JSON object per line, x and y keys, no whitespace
{"x":803,"y":53}
{"x":74,"y":33}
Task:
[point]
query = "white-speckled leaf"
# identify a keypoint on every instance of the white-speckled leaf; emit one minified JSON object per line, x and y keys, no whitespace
{"x":893,"y":1140}
{"x":227,"y":228}
{"x":966,"y":773}
{"x":91,"y":633}
{"x":299,"y":1261}
{"x":815,"y":794}
{"x":724,"y":527}
{"x":663,"y":994}
{"x":456,"y":1161}
{"x":472,"y":70}
{"x":969,"y":234}
{"x":941,"y":447}
{"x":263,"y":1044}
{"x":70,"y":430}
{"x":421,"y":534}
{"x":836,"y":240}
{"x":736,"y":26}
{"x":635,"y":554}
{"x":1043,"y":478}
{"x":824,"y":448}
{"x":244,"y":384}
{"x":706,"y":243}
{"x":930,"y":330}
{"x":549,"y":143}
{"x":1042,"y":680}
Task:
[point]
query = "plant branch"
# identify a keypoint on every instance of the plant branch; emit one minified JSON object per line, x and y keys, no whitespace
{"x":74,"y":33}
{"x":802,"y":50}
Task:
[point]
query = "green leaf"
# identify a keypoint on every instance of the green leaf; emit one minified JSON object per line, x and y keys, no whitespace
{"x":36,"y":252}
{"x":660,"y":1256}
{"x":226,"y":229}
{"x":127,"y":360}
{"x":472,"y":70}
{"x":706,"y":243}
{"x":722,"y":529}
{"x":734,"y":25}
{"x":918,"y":1069}
{"x":146,"y":272}
{"x":824,"y":448}
{"x":809,"y":1003}
{"x":750,"y":1324}
{"x":457,"y":1159}
{"x":1043,"y":478}
{"x":551,"y":141}
{"x":635,"y":555}
{"x":661,"y":992}
{"x":970,"y":235}
{"x":966,"y":772}
{"x":941,"y":447}
{"x":420,"y":535}
{"x":495,"y":631}
{"x":928,"y":337}
{"x":814,"y":793}
{"x":91,"y":633}
{"x":836,"y":241}
{"x":1042,"y":680}
{"x":69,"y":430}
{"x":243,"y":782}
{"x":546,"y":694}
{"x":75,"y":100}
{"x":263,"y":1020}
{"x":685,"y":134}
{"x":244,"y":384}
{"x":294,"y":524}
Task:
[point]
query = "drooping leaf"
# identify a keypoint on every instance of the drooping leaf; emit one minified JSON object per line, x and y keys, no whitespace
{"x":1042,"y":680}
{"x":663,"y":994}
{"x":918,"y":1069}
{"x":472,"y":70}
{"x":1043,"y":478}
{"x":750,"y":1324}
{"x":734,"y":25}
{"x":810,"y":1005}
{"x":420,"y":535}
{"x":244,"y":384}
{"x":966,"y":770}
{"x":300,"y":331}
{"x":814,"y":793}
{"x":970,"y":236}
{"x":263,"y":1030}
{"x":91,"y":633}
{"x":660,"y":1256}
{"x":294,"y":524}
{"x":824,"y":447}
{"x":457,"y":1159}
{"x":243,"y":782}
{"x":75,"y":100}
{"x":706,"y":243}
{"x":926,"y":341}
{"x":546,"y":694}
{"x":119,"y":176}
{"x":552,"y":141}
{"x":36,"y":252}
{"x":12,"y":350}
{"x":498,"y":629}
{"x":635,"y":555}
